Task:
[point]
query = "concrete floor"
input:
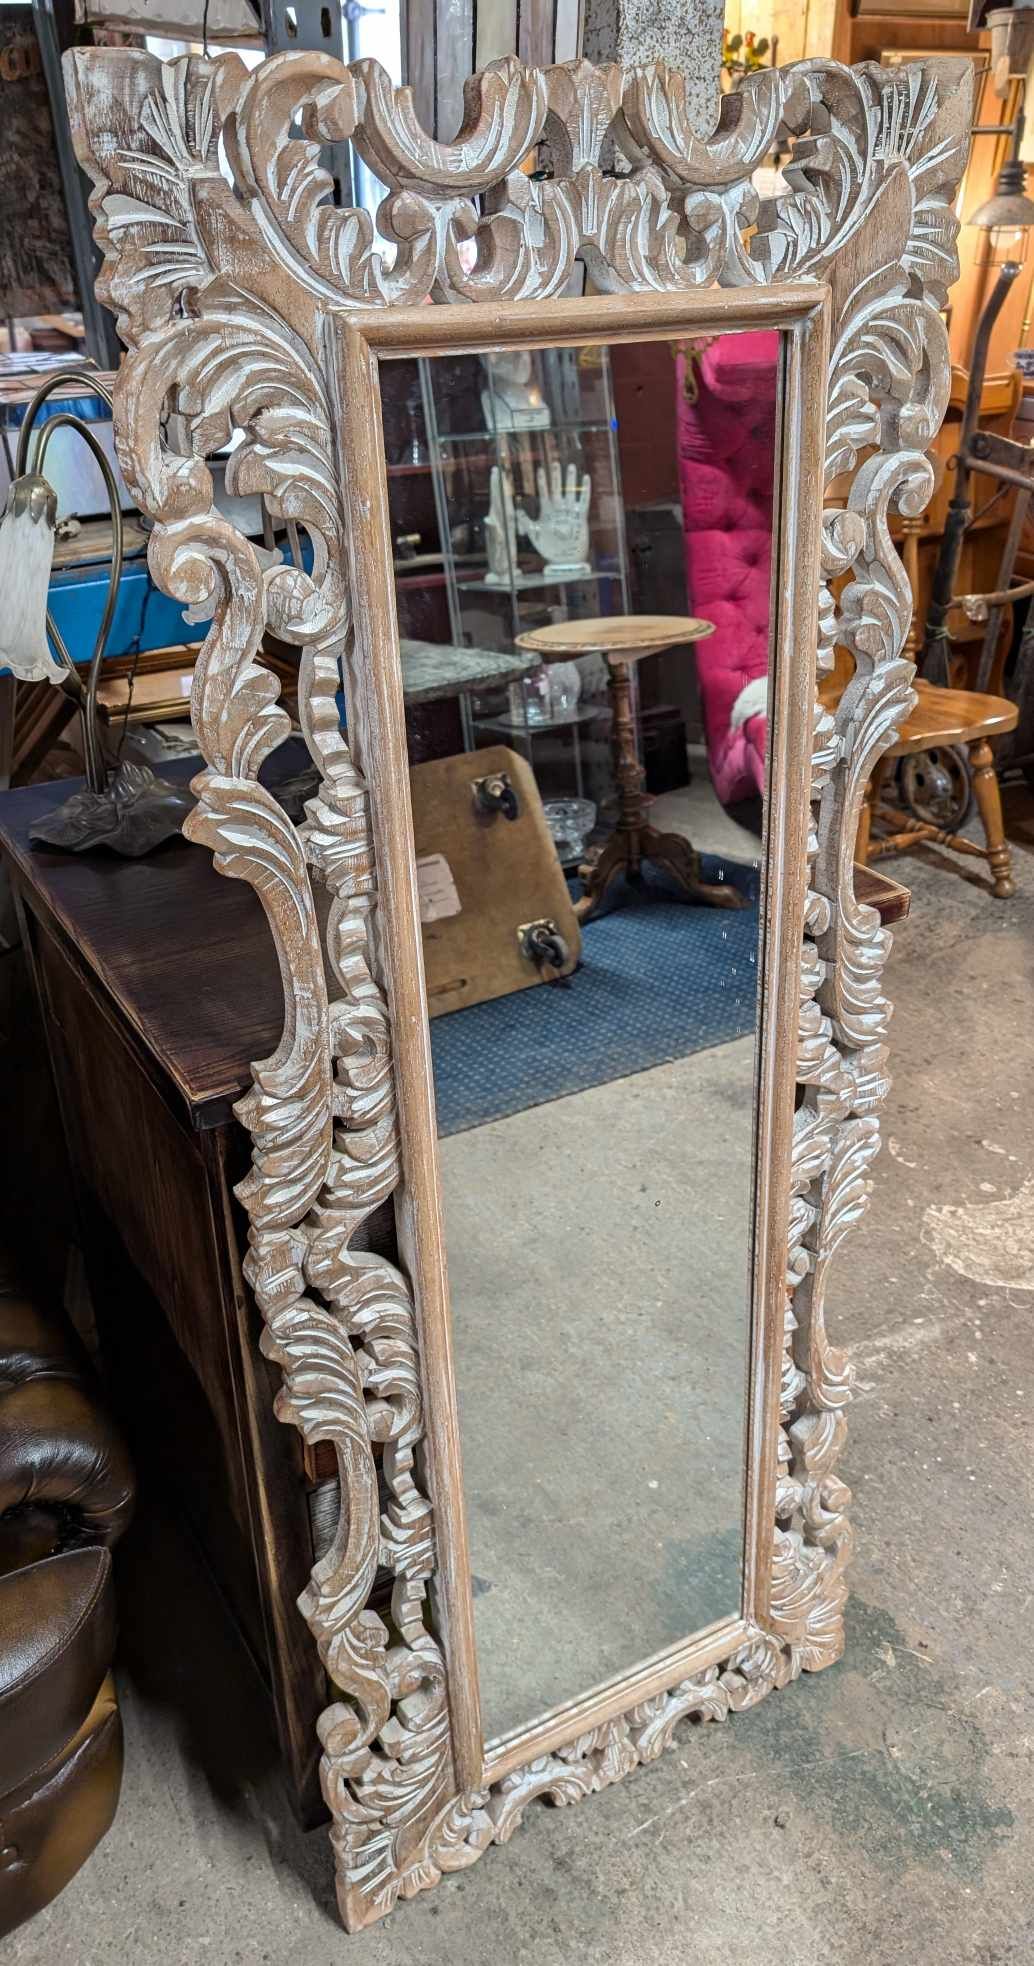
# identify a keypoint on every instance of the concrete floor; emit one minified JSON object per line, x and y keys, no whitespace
{"x":601,"y":1376}
{"x":877,"y":1813}
{"x":603,"y":1472}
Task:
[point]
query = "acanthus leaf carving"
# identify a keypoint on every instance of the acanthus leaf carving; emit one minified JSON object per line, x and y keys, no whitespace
{"x":224,"y":291}
{"x":657,"y":120}
{"x":504,"y":112}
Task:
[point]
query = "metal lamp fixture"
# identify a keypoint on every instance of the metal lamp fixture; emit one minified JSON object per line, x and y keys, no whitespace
{"x":1007,"y":216}
{"x":124,"y":805}
{"x":1006,"y":219}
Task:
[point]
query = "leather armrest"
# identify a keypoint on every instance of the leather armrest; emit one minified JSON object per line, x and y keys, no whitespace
{"x":57,"y":1635}
{"x":51,"y":1824}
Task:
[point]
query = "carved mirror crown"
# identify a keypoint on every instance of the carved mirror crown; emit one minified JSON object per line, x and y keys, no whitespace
{"x":226,"y":266}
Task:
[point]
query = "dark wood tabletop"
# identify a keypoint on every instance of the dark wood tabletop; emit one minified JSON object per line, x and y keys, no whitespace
{"x":185,"y":953}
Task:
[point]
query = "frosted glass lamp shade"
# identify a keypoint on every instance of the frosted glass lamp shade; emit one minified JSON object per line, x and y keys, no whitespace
{"x":26,"y":553}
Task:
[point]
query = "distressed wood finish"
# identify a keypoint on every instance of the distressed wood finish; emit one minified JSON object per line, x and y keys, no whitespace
{"x":230,"y":299}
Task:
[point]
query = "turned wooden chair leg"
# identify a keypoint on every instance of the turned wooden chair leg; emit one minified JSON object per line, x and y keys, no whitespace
{"x":987,"y":793}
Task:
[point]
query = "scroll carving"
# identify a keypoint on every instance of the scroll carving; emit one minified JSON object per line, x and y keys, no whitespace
{"x":222,"y":291}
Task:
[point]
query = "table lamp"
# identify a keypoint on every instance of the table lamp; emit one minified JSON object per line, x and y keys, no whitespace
{"x":123,"y":805}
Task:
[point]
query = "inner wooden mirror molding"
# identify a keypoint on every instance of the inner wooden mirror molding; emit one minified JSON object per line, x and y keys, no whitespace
{"x":247,"y":303}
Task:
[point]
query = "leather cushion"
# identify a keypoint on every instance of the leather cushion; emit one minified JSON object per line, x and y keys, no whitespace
{"x":49,"y":1827}
{"x":59,"y":1449}
{"x":57,"y":1635}
{"x":33,"y":1345}
{"x":59,"y":1453}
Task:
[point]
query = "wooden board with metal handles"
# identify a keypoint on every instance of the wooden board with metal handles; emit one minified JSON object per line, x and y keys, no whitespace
{"x":488,"y":877}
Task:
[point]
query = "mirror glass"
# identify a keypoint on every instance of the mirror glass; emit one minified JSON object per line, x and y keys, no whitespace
{"x":583,"y":560}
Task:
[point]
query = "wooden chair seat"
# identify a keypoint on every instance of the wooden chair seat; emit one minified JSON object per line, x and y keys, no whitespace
{"x":941,"y":717}
{"x":953,"y":716}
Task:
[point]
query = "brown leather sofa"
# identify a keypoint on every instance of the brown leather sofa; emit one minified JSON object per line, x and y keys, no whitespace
{"x":66,"y":1495}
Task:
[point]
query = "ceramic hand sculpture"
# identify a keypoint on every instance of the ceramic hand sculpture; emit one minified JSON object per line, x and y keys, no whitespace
{"x":561,"y":531}
{"x":513,"y":399}
{"x":501,"y":531}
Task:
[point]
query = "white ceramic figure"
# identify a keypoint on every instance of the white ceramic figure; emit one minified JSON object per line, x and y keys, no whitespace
{"x":501,"y":531}
{"x":513,"y":399}
{"x":561,"y":531}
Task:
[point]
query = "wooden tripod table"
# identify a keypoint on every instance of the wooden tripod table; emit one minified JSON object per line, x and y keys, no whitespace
{"x":624,"y":639}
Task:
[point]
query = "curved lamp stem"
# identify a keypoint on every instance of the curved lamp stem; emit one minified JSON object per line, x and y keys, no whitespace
{"x":127,"y":809}
{"x":87,"y":699}
{"x":933,"y":660}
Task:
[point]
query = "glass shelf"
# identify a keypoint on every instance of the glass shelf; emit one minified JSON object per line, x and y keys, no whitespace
{"x":524,"y":581}
{"x":575,"y":424}
{"x":588,"y":713}
{"x":571,"y":753}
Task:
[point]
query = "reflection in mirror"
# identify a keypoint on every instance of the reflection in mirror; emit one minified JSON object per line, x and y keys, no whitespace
{"x":582,"y":541}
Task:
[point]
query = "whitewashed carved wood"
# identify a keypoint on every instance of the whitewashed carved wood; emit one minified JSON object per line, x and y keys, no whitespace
{"x":224,"y":291}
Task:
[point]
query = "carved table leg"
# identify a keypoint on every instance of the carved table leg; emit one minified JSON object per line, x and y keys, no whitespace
{"x":632,"y":842}
{"x":621,"y":854}
{"x":596,"y":875}
{"x":988,"y":796}
{"x":679,"y":858}
{"x":627,"y":769}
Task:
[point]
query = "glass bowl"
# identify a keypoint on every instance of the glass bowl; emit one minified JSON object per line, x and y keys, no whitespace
{"x":570,"y":821}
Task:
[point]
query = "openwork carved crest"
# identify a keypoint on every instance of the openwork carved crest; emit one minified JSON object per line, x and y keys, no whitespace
{"x":224,"y":260}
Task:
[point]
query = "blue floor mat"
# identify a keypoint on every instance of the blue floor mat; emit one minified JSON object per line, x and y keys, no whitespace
{"x":658,"y":979}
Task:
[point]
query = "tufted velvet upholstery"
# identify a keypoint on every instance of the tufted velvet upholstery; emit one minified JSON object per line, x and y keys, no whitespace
{"x":727,"y":471}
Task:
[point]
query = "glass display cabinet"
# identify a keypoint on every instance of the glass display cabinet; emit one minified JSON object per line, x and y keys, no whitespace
{"x":526,"y":474}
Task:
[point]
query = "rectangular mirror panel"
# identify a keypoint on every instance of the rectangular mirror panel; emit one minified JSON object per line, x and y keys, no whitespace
{"x":583,"y":542}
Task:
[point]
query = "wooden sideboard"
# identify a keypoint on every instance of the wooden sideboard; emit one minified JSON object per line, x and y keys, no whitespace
{"x":150,"y":1045}
{"x":157,"y":986}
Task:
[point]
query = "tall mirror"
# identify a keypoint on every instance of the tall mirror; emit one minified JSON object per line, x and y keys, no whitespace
{"x":582,"y":542}
{"x":572,"y":559}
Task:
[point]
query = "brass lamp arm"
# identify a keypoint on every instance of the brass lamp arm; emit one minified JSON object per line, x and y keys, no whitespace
{"x":67,"y":420}
{"x":59,"y":380}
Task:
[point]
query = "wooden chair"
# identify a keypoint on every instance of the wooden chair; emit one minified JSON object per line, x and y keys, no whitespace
{"x":941,"y":718}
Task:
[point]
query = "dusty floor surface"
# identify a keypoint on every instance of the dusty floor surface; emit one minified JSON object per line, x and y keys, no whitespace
{"x":879,"y":1812}
{"x":605,"y":1495}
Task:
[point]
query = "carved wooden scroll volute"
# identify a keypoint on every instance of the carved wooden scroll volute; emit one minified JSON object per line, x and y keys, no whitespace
{"x":224,"y":259}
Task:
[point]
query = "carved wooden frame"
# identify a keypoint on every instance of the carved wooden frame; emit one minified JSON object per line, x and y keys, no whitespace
{"x":801,"y":313}
{"x":234,"y":300}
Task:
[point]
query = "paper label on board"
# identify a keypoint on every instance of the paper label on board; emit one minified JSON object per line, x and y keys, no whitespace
{"x":436,"y":888}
